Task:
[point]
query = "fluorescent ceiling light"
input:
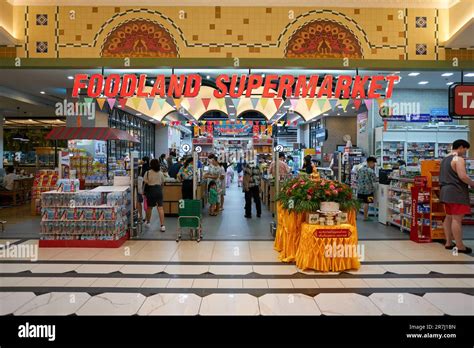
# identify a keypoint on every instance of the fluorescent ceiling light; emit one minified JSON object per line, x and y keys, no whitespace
{"x":338,"y":114}
{"x":70,"y":77}
{"x":414,"y":74}
{"x":340,"y":106}
{"x":469,"y":75}
{"x":139,"y":114}
{"x":325,"y":114}
{"x":152,"y":81}
{"x":208,"y":77}
{"x":447,"y":74}
{"x":423,"y":82}
{"x":43,"y":92}
{"x":449,"y":83}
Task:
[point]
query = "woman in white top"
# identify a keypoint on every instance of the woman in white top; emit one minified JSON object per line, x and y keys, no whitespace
{"x":214,"y":173}
{"x":154,"y":179}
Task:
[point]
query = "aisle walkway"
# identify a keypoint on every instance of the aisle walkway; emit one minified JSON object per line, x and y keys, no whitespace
{"x":234,"y":278}
{"x":229,"y":225}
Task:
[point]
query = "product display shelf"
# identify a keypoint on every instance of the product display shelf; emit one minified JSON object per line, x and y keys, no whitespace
{"x":391,"y":153}
{"x":436,"y":208}
{"x":45,"y":180}
{"x":399,"y":196}
{"x":420,"y":151}
{"x":444,"y":149}
{"x":100,"y":218}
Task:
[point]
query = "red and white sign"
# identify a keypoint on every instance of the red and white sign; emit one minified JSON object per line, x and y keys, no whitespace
{"x":332,"y":233}
{"x":461,"y":100}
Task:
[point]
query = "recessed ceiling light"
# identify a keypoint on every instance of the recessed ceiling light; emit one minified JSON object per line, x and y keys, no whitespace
{"x":43,"y":92}
{"x":469,"y":75}
{"x":423,"y":82}
{"x":449,"y":83}
{"x":447,"y":74}
{"x":152,"y":81}
{"x":325,"y":114}
{"x":414,"y":74}
{"x":139,"y":114}
{"x":263,"y":75}
{"x":30,"y":120}
{"x":70,"y":77}
{"x":208,"y":77}
{"x":338,"y":114}
{"x":340,"y":106}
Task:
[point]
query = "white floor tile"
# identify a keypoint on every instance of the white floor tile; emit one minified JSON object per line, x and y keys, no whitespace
{"x":229,"y":304}
{"x":155,"y":283}
{"x":16,"y":267}
{"x":450,"y":269}
{"x":275,"y":270}
{"x":427,"y":282}
{"x":58,"y":281}
{"x":255,"y":284}
{"x":100,"y":269}
{"x":33,"y":281}
{"x":105,"y":283}
{"x":407,"y":269}
{"x":186,"y":269}
{"x":403,"y":304}
{"x":402,"y":283}
{"x":180,"y":283}
{"x":11,"y":301}
{"x":171,"y":304}
{"x":112,"y":304}
{"x":54,"y":268}
{"x":231,"y":270}
{"x":452,"y":303}
{"x":368,"y":269}
{"x":142,"y":269}
{"x":378,"y":283}
{"x":280,"y":283}
{"x":304,"y":283}
{"x":288,"y":304}
{"x":329,"y":283}
{"x":354,"y":283}
{"x":80,"y":282}
{"x":54,"y":303}
{"x":130,"y":283}
{"x":345,"y":304}
{"x":230,"y":283}
{"x":205,"y":283}
{"x":10,"y":281}
{"x":452,"y":282}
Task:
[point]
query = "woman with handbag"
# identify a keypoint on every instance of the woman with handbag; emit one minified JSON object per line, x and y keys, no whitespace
{"x":154,"y":179}
{"x":140,"y":196}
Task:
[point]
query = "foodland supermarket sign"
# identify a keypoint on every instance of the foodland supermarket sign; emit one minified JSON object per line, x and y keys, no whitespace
{"x":302,"y":86}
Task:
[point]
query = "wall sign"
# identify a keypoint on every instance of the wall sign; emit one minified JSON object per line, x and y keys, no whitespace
{"x":321,"y":134}
{"x":461,"y":100}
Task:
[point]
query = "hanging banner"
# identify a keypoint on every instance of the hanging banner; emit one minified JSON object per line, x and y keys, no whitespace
{"x":111,"y":102}
{"x":221,"y":103}
{"x":263,"y":102}
{"x":196,"y":131}
{"x":380,"y":102}
{"x":177,"y":103}
{"x":255,"y":129}
{"x":205,"y":102}
{"x":333,"y":103}
{"x":269,"y":131}
{"x":136,"y":102}
{"x":202,"y":129}
{"x":101,"y":102}
{"x":368,"y":103}
{"x":294,"y":103}
{"x":309,"y":103}
{"x":149,"y":102}
{"x":161,"y":102}
{"x":344,"y":103}
{"x":321,"y":103}
{"x":277,"y":102}
{"x":236,"y":102}
{"x":210,"y":128}
{"x":254,"y":102}
{"x":263,"y":129}
{"x":357,"y":103}
{"x":123,"y":102}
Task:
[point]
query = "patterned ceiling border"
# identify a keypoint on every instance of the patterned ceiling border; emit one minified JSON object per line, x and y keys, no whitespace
{"x":141,"y":19}
{"x":329,"y":20}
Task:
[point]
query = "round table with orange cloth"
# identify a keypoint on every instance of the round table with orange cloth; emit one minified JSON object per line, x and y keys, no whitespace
{"x":296,"y":241}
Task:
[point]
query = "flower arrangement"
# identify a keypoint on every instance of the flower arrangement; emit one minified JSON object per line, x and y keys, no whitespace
{"x":304,"y":194}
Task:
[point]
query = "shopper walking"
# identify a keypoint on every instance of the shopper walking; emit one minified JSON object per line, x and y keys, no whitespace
{"x":240,"y":172}
{"x":251,"y":183}
{"x":222,"y":179}
{"x":366,"y":180}
{"x":308,"y":166}
{"x":455,"y":183}
{"x":214,"y":172}
{"x":145,"y":166}
{"x":185,"y":175}
{"x":163,"y":163}
{"x":283,"y":167}
{"x":154,"y":179}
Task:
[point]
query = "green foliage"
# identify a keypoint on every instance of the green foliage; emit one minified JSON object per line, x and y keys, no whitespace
{"x":303,"y":194}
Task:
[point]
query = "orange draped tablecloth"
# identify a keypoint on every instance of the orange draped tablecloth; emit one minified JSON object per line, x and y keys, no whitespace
{"x":296,"y":241}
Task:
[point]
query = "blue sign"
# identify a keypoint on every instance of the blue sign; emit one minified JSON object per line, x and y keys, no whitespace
{"x":418,"y":118}
{"x":439,"y":112}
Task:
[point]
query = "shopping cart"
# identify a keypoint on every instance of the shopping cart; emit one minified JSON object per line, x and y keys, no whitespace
{"x":190,"y":216}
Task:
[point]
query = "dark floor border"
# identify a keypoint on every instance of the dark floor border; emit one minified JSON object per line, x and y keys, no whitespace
{"x":253,"y":292}
{"x":253,"y":275}
{"x":223,"y":263}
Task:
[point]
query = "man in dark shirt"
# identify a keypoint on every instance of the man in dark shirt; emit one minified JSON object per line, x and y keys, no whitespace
{"x":174,"y":169}
{"x":251,"y":183}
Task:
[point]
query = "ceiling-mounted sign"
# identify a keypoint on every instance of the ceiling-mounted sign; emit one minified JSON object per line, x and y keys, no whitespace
{"x":176,"y":86}
{"x":461,"y":100}
{"x":321,"y":134}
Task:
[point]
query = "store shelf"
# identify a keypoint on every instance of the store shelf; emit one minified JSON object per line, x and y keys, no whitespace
{"x":438,"y":214}
{"x":398,"y":225}
{"x":396,"y":189}
{"x":437,"y":230}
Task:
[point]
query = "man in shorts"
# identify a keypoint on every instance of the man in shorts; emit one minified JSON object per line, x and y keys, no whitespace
{"x":454,"y":193}
{"x":366,"y":180}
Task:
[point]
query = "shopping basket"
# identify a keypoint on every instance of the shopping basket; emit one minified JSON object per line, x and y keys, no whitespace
{"x":190,"y":216}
